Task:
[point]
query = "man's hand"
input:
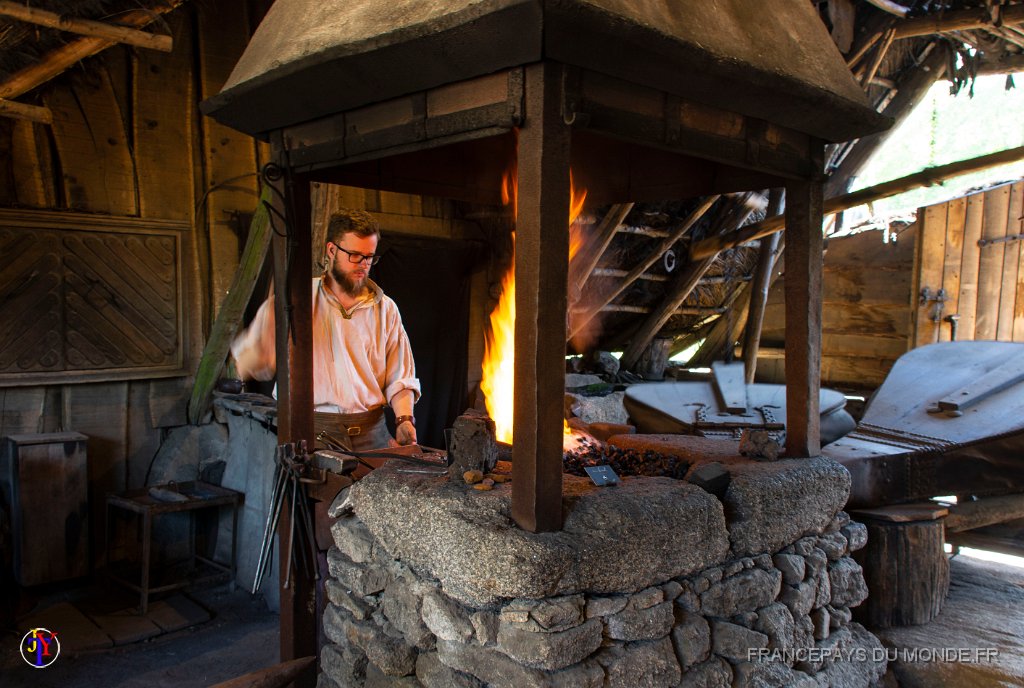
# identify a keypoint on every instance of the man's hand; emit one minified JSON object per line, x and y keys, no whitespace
{"x":406,"y":433}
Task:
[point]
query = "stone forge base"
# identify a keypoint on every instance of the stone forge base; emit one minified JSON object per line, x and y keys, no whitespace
{"x":653,"y":582}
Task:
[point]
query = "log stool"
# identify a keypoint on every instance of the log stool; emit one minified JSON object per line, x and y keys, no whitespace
{"x":905,"y":564}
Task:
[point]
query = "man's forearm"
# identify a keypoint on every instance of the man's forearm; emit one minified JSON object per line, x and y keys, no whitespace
{"x":403,"y":402}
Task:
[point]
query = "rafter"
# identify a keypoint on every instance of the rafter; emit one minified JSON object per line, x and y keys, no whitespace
{"x":711,"y":246}
{"x":33,"y":113}
{"x":86,"y":27}
{"x":54,"y":63}
{"x":959,"y":20}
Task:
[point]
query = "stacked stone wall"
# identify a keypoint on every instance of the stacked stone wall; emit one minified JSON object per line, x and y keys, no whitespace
{"x":778,"y":618}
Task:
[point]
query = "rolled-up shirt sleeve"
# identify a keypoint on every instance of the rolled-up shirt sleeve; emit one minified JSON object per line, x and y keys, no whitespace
{"x":254,"y":350}
{"x":400,"y":369}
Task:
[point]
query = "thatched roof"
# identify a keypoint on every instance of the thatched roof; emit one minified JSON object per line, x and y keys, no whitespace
{"x":24,"y":44}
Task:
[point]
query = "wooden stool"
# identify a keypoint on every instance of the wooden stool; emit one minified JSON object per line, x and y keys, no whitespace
{"x":905,"y":564}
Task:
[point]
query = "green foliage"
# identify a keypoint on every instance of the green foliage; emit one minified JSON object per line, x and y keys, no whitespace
{"x":945,"y":129}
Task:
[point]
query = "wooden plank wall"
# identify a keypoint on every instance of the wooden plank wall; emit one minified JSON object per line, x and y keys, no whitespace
{"x":872,"y":310}
{"x":982,"y":283}
{"x":865,"y":311}
{"x":128,"y":140}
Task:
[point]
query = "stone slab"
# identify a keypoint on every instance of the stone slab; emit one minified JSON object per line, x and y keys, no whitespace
{"x":642,"y":532}
{"x":126,"y":627}
{"x":771,"y":505}
{"x":76,"y":632}
{"x":175,"y":613}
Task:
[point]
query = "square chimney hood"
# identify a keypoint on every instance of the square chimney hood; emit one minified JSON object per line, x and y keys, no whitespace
{"x":646,"y":99}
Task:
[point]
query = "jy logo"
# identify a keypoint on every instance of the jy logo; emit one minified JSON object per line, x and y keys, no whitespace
{"x":40,"y":647}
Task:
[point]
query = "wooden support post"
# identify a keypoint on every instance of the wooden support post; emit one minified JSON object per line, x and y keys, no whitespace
{"x":803,"y":317}
{"x":294,"y":341}
{"x":541,"y":269}
{"x":759,"y":290}
{"x":905,"y":565}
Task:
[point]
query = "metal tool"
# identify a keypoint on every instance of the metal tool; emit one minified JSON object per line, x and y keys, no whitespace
{"x":293,"y":465}
{"x":273,"y":514}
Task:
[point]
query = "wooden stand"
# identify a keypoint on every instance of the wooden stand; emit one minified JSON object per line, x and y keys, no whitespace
{"x":905,"y":565}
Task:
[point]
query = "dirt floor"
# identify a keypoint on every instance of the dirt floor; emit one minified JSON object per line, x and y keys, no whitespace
{"x":984,"y":612}
{"x":238,"y":636}
{"x":977,"y":640}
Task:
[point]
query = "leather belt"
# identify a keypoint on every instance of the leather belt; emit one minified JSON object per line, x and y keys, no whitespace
{"x":354,"y":423}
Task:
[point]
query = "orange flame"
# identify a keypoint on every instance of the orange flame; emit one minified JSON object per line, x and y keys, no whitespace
{"x":498,"y":378}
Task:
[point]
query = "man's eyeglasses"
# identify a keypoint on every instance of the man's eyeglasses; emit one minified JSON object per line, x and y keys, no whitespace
{"x":354,"y":257}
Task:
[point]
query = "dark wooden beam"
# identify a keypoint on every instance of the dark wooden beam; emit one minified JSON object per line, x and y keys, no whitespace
{"x":803,"y":317}
{"x":291,"y":220}
{"x":541,"y":268}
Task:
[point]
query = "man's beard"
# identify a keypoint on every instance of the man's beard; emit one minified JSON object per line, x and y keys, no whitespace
{"x":347,"y":284}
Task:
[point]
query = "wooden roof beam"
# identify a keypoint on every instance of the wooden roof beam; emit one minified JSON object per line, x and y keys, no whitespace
{"x":56,"y":62}
{"x":654,"y":256}
{"x":959,"y":20}
{"x":33,"y":113}
{"x":86,"y":27}
{"x":927,"y":177}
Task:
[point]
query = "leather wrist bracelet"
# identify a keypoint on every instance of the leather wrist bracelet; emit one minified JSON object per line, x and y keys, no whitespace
{"x":401,"y":419}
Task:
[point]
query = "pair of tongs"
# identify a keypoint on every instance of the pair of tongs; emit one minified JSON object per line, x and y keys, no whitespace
{"x":428,"y":456}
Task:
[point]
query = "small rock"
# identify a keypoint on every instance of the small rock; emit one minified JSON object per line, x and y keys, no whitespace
{"x":485,"y":624}
{"x":487,"y":481}
{"x":498,"y":478}
{"x":605,"y":606}
{"x":473,"y":477}
{"x":602,"y":362}
{"x":671,"y":590}
{"x":734,"y":642}
{"x":759,"y":444}
{"x":483,"y":487}
{"x":820,"y":619}
{"x":793,"y":567}
{"x":473,"y":443}
{"x":603,"y":431}
{"x":833,"y":545}
{"x":691,"y":637}
{"x":856,"y":535}
{"x":711,"y":477}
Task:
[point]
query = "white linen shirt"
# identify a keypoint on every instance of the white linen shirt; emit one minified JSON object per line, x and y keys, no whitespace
{"x":359,"y":362}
